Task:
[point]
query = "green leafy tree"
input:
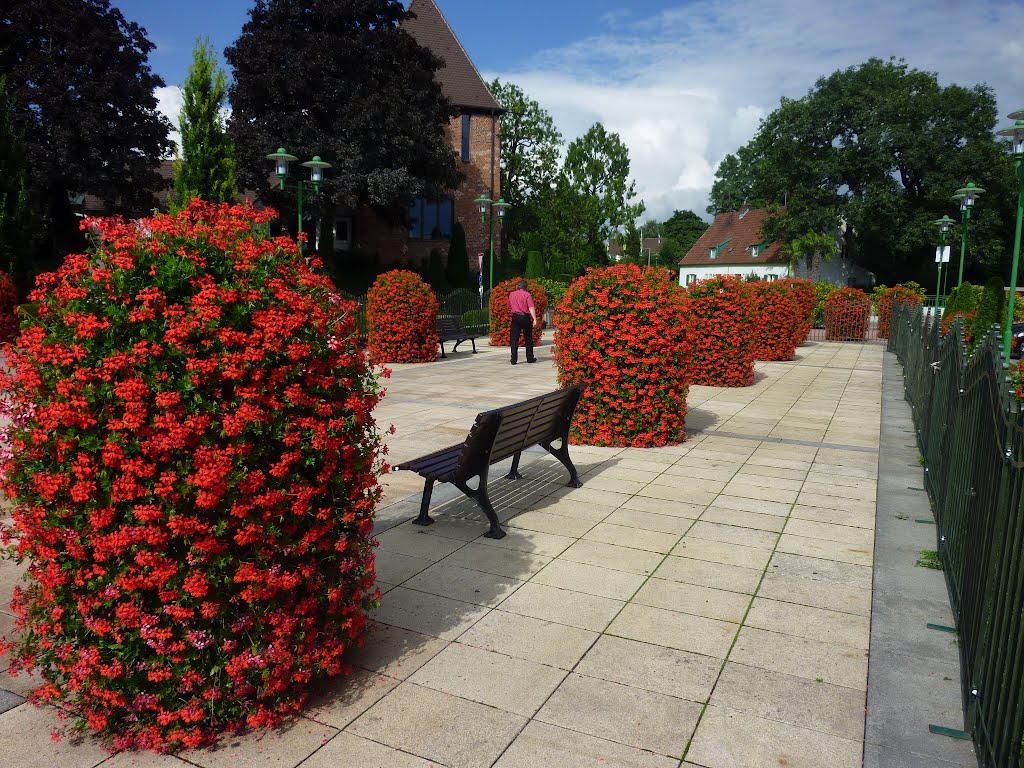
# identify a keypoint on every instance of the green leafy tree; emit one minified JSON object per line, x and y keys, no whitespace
{"x":879,"y":147}
{"x":671,"y":253}
{"x":347,"y":83}
{"x":17,"y":217}
{"x":534,"y":265}
{"x":206,"y":167}
{"x":457,"y":267}
{"x":82,"y":92}
{"x":685,"y":228}
{"x":813,"y":248}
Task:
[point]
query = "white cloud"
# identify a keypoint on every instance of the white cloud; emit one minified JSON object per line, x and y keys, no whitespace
{"x":687,"y":86}
{"x":169,"y":102}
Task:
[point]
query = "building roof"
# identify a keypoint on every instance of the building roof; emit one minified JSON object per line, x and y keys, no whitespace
{"x":459,"y":79}
{"x":733,"y":236}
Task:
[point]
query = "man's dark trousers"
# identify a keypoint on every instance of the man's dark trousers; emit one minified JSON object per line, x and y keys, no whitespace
{"x":522,"y":323}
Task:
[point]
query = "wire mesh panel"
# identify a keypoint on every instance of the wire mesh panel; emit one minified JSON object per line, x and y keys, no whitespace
{"x":972,"y":438}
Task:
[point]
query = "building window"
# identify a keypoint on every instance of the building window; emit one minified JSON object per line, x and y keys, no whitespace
{"x":343,"y":234}
{"x":431,"y":219}
{"x":465,"y":136}
{"x":718,"y":248}
{"x":691,"y":278}
{"x":771,"y":276}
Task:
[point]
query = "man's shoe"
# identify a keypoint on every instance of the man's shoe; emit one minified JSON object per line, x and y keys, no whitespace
{"x":513,"y":362}
{"x":532,"y":361}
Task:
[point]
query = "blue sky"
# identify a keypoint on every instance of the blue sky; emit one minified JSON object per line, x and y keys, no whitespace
{"x":683,"y":83}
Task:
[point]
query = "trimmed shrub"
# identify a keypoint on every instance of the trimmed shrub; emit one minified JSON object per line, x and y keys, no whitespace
{"x":886,"y":300}
{"x":846,"y":315}
{"x":475,"y":320}
{"x":622,"y":332}
{"x":501,"y":315}
{"x":457,"y":267}
{"x":805,"y":296}
{"x":990,"y":308}
{"x":554,"y":289}
{"x":774,"y":320}
{"x":8,"y":301}
{"x":534,"y":265}
{"x":822,"y":291}
{"x":401,"y":317}
{"x":722,"y":346}
{"x":194,"y":470}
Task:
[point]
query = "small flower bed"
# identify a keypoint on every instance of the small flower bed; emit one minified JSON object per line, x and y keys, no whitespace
{"x":775,"y":319}
{"x":401,"y":315}
{"x":8,"y":301}
{"x":722,"y":345}
{"x":846,"y":315}
{"x":885,"y":303}
{"x":501,"y":315}
{"x":623,"y":331}
{"x":193,"y":473}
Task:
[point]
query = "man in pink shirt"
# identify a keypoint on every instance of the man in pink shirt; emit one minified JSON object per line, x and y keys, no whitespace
{"x":524,"y":317}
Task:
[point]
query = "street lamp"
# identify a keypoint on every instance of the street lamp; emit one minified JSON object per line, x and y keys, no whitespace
{"x":316,"y":167}
{"x":487,"y":207}
{"x":1017,"y":134}
{"x":943,"y":224}
{"x":966,"y":196}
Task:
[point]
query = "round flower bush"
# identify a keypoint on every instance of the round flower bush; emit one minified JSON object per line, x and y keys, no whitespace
{"x":193,"y":467}
{"x":805,"y":296}
{"x":846,"y":315}
{"x":885,"y":302}
{"x":401,"y":315}
{"x":775,"y":319}
{"x":501,"y":315}
{"x":722,"y":349}
{"x":622,"y":331}
{"x":8,"y":302}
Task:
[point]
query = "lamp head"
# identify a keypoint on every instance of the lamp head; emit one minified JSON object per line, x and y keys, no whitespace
{"x":281,"y":159}
{"x":1015,"y":132}
{"x":316,"y":168}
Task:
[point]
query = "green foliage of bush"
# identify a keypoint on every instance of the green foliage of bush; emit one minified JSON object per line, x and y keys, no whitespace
{"x":990,"y":308}
{"x":822,"y":291}
{"x":962,"y":299}
{"x":555,"y":290}
{"x":435,"y":274}
{"x":457,"y":269}
{"x":534,"y":265}
{"x":476,"y":320}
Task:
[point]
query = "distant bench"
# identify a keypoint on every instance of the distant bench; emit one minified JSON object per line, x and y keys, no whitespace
{"x":450,"y":328}
{"x":495,"y":436}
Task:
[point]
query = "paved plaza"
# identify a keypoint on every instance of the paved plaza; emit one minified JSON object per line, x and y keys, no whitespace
{"x":707,"y":604}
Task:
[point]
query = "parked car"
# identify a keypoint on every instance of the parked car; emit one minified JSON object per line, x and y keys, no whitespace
{"x":1016,"y":340}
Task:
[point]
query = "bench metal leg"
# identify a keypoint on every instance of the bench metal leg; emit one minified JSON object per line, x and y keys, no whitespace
{"x":424,"y":518}
{"x":514,"y":472}
{"x":442,"y":349}
{"x":562,"y":454}
{"x":473,"y":342}
{"x":481,"y":498}
{"x":456,"y":347}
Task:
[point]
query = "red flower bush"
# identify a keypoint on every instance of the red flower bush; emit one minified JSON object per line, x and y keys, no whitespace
{"x":805,"y":295}
{"x":889,"y":297}
{"x":501,"y":315}
{"x":401,"y":312}
{"x":622,"y":332}
{"x":193,"y":465}
{"x":775,"y":320}
{"x":846,"y":315}
{"x":967,"y":324}
{"x":722,"y":352}
{"x":8,"y":302}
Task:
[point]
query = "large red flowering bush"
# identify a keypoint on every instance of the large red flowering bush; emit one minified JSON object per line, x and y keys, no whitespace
{"x":885,"y":303}
{"x":721,"y":343}
{"x":193,"y":466}
{"x":805,"y":295}
{"x":401,"y":315}
{"x":846,"y":315}
{"x":8,"y":302}
{"x":501,"y":315}
{"x":622,"y":331}
{"x":775,"y":320}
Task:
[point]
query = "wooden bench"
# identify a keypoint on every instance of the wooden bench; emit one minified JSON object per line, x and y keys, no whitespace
{"x":450,"y":328}
{"x":495,"y":436}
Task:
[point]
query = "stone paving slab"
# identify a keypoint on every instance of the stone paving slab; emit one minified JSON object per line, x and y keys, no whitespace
{"x":700,"y":605}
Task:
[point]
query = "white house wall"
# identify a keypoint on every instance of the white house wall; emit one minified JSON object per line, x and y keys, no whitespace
{"x":704,"y":271}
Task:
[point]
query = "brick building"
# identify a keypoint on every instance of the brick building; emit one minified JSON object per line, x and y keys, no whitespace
{"x":475,"y":136}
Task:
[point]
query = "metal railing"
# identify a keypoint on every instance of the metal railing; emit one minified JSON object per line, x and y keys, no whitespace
{"x":971,"y":434}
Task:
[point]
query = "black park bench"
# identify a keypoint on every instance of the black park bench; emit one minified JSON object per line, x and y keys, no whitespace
{"x":495,"y":436}
{"x":450,"y":328}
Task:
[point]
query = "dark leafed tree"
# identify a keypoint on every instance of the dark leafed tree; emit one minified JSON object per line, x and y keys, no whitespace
{"x":206,"y":165}
{"x":17,"y":216}
{"x":684,"y":228}
{"x":79,"y":80}
{"x":340,"y":79}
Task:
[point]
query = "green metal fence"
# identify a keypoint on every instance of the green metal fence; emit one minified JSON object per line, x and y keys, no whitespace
{"x":972,"y":438}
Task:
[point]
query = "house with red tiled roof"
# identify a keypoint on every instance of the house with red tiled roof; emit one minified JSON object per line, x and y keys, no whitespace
{"x":734,"y":245}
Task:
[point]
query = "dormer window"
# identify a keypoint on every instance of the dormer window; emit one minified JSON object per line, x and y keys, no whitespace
{"x":755,"y":250}
{"x":718,"y":249}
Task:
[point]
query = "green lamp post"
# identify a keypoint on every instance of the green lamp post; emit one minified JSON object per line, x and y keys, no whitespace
{"x":943,"y":224}
{"x":966,"y":196}
{"x":316,"y":167}
{"x":487,"y":208}
{"x":1016,"y":133}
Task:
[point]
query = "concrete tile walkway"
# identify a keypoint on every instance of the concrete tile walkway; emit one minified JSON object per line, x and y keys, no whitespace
{"x":706,"y":604}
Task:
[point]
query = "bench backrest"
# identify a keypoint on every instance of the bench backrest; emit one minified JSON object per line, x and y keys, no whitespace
{"x":448,"y":325}
{"x":506,"y":431}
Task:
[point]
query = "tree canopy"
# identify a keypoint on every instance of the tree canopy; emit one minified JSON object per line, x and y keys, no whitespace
{"x":206,"y":167}
{"x":17,"y":217}
{"x":879,"y":148}
{"x":340,"y":79}
{"x":82,"y":91}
